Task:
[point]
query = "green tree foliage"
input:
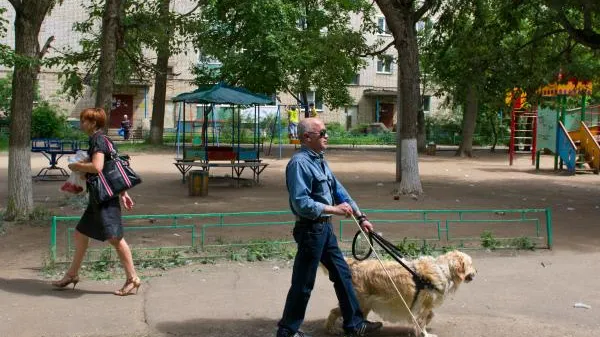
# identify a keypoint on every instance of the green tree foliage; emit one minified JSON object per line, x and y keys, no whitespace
{"x":579,"y":18}
{"x":498,"y":45}
{"x":270,"y":46}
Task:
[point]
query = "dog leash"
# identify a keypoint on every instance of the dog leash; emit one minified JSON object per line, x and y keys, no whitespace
{"x":388,"y":274}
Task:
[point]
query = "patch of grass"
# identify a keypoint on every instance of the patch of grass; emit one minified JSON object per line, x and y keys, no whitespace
{"x":142,"y":147}
{"x":3,"y":142}
{"x":488,"y":240}
{"x":75,"y":201}
{"x":411,"y":248}
{"x":40,"y":215}
{"x":103,"y":268}
{"x":161,"y":259}
{"x":523,"y":243}
{"x":446,"y":249}
{"x":260,"y":250}
{"x":49,"y":268}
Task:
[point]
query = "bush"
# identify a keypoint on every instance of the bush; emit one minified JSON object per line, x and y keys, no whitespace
{"x":3,"y":142}
{"x":443,"y":128}
{"x":47,"y":121}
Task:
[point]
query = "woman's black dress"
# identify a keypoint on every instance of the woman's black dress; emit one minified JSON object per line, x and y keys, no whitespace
{"x":101,"y":221}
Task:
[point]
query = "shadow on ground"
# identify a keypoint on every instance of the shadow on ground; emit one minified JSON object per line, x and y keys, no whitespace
{"x":33,"y":287}
{"x":256,"y":327}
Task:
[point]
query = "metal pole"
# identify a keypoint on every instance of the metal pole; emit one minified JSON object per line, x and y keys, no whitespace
{"x":53,"y":240}
{"x":278,"y":122}
{"x":549,"y":227}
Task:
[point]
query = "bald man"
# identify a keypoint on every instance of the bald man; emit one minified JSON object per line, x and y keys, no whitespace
{"x":315,"y":195}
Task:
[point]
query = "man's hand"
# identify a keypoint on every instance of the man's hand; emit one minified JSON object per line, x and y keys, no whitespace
{"x":367,"y":226}
{"x":74,"y":166}
{"x":342,"y":209}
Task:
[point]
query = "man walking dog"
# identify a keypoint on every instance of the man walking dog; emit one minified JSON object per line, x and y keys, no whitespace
{"x":315,"y":195}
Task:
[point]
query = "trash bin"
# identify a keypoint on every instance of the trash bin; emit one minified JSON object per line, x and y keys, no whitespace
{"x":431,"y":149}
{"x":198,"y":183}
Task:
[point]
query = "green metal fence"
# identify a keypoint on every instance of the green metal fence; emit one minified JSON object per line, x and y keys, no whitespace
{"x":208,"y":233}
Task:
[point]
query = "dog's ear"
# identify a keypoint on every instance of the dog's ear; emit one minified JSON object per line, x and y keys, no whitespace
{"x":460,"y":267}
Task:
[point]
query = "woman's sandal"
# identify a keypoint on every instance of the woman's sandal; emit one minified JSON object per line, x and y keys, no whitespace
{"x":129,"y":286}
{"x":66,"y":280}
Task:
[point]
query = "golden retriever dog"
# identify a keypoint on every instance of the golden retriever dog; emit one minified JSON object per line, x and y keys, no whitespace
{"x":375,"y":292}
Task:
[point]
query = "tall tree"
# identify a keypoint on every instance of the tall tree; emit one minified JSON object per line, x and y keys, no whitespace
{"x":163,"y":53}
{"x":402,"y":17}
{"x":271,"y":46}
{"x":167,"y":37}
{"x":111,"y":40}
{"x":28,"y":20}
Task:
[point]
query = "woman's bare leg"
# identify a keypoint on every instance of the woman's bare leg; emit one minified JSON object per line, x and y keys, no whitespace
{"x":81,"y":245}
{"x":124,"y":253}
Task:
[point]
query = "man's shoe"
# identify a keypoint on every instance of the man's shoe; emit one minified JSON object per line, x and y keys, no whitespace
{"x":364,"y":329}
{"x":299,"y":333}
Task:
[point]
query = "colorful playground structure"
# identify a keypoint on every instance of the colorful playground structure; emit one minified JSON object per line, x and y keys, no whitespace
{"x":572,"y":135}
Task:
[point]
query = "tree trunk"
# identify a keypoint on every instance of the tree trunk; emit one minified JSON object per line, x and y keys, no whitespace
{"x":304,"y":96}
{"x":401,"y":17}
{"x":160,"y":81}
{"x":468,"y":124}
{"x":29,"y":17}
{"x":494,"y":131}
{"x":421,"y":132}
{"x":109,"y":44}
{"x":408,"y":71}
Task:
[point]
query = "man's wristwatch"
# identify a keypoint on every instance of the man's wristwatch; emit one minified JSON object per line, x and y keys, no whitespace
{"x":361,"y":218}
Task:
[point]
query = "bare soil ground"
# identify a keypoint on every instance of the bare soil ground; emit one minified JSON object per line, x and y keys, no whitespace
{"x":518,"y":295}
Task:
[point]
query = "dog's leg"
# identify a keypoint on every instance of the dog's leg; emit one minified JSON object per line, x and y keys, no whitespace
{"x":331,"y":323}
{"x":430,"y":317}
{"x":423,"y":319}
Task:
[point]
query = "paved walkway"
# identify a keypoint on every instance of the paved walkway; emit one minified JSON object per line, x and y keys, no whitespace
{"x":529,"y":295}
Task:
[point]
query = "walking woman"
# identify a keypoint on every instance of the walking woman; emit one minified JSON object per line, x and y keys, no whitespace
{"x":100,"y":221}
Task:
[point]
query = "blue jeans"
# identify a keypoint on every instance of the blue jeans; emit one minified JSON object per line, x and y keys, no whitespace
{"x":293,"y":130}
{"x":317,"y":243}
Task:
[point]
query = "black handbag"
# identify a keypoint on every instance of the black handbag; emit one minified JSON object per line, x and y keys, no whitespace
{"x":116,"y":176}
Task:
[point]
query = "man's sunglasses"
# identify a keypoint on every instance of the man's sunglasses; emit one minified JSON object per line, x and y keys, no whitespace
{"x":321,"y":133}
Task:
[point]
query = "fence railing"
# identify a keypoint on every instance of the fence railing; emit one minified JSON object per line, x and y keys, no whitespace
{"x":208,"y":232}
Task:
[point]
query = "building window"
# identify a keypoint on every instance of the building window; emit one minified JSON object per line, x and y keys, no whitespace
{"x":382,"y":26}
{"x":313,"y":97}
{"x":355,"y":80}
{"x":384,"y":64}
{"x":170,"y":74}
{"x":426,"y":103}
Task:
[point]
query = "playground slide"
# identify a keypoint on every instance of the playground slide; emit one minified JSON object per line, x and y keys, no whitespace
{"x":567,"y":151}
{"x":588,"y":146}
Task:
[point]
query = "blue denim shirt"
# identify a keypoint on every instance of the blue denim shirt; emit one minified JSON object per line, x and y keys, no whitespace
{"x":312,"y":185}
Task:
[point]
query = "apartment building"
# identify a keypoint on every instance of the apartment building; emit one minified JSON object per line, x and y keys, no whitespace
{"x":374,"y":88}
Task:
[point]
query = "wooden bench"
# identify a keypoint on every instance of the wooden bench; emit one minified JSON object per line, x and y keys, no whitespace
{"x":237,"y":168}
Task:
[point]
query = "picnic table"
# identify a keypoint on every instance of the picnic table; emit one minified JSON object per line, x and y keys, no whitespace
{"x":237,"y":167}
{"x":53,"y":150}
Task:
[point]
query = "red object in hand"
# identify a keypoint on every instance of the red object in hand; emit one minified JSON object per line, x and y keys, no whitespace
{"x":71,"y":188}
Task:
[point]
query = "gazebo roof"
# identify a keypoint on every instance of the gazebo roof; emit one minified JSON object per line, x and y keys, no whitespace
{"x":222,"y":94}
